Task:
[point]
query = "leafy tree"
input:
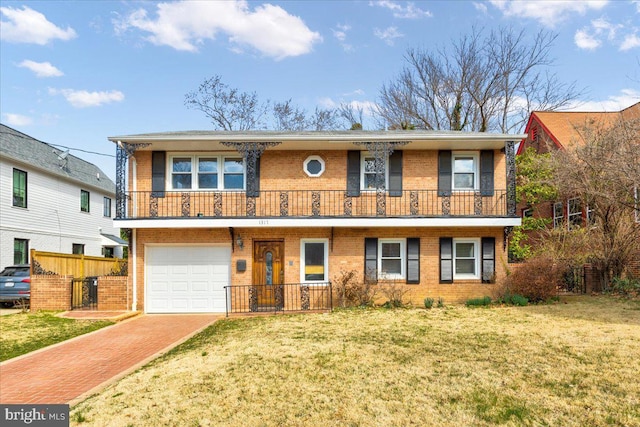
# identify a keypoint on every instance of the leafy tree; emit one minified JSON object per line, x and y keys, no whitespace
{"x":480,"y":83}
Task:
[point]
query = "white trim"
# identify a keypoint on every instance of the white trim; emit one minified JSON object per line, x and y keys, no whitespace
{"x":134,"y":268}
{"x":363,"y":156}
{"x":403,"y":259}
{"x":476,"y":258}
{"x":310,"y":159}
{"x":319,"y":222}
{"x":476,"y":169}
{"x":195,"y":162}
{"x":326,"y":260}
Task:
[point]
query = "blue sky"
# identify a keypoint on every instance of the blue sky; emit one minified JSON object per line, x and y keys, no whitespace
{"x":75,"y":72}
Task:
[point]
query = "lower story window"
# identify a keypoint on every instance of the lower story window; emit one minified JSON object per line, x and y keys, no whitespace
{"x":77,"y":249}
{"x":391,"y":258}
{"x":466,"y":259}
{"x":314,"y":260}
{"x":20,"y":251}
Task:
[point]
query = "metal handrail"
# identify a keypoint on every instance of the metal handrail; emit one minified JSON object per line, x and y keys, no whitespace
{"x":287,"y":297}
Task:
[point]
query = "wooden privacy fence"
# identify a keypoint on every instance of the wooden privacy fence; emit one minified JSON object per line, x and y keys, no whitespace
{"x":78,"y":266}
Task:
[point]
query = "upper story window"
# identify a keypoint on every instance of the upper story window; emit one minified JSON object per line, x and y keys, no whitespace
{"x":19,"y":188}
{"x":107,"y":207}
{"x":558,"y":214}
{"x":314,"y":166}
{"x":465,"y":170}
{"x":574,"y":212}
{"x":368,"y":170}
{"x":207,"y":173}
{"x":84,"y":201}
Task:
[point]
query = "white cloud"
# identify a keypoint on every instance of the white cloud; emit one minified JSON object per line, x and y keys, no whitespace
{"x":340,"y":33}
{"x":388,"y":35}
{"x":402,"y":10}
{"x":547,"y":12}
{"x":186,"y":25}
{"x":624,"y":99}
{"x":83,"y":98}
{"x":586,"y":41}
{"x":17,"y":119}
{"x":631,"y":41}
{"x":29,"y":26}
{"x":41,"y":69}
{"x":480,"y":7}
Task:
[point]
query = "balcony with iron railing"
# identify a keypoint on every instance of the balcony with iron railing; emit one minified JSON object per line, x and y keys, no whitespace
{"x":315,"y":204}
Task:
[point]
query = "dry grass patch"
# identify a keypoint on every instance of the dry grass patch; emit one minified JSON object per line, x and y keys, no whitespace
{"x":572,"y":364}
{"x":24,"y":332}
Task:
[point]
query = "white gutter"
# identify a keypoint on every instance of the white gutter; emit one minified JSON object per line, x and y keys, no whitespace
{"x":319,"y":222}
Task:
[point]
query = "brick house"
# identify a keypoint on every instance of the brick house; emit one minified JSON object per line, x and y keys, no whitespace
{"x":551,"y":130}
{"x":207,"y":210}
{"x":555,"y":130}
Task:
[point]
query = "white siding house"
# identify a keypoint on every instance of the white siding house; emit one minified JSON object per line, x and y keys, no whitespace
{"x":52,"y":201}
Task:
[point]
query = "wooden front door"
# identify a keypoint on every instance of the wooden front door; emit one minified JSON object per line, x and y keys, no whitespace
{"x":268,"y":272}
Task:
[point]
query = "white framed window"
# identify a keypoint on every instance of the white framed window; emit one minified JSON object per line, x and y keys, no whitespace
{"x":368,"y":172}
{"x":574,"y":212}
{"x":527,"y":213}
{"x":313,"y":166}
{"x":558,"y":214}
{"x":314,"y":260}
{"x":223,"y":172}
{"x":392,"y":258}
{"x":465,"y":167}
{"x":106,"y":207}
{"x":466,"y":259}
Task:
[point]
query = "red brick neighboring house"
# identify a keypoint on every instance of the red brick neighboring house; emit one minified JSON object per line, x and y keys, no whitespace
{"x":551,"y":130}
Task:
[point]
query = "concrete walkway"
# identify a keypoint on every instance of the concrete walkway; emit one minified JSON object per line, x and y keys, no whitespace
{"x":69,"y":371}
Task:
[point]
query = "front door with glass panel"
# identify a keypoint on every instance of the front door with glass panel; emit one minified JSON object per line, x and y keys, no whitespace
{"x":268,"y":272}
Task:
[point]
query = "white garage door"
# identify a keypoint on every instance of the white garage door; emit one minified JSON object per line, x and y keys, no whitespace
{"x":186,"y":279}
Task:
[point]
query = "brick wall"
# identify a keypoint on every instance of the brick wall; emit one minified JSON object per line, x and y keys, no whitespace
{"x":113,"y":293}
{"x":346,"y":252}
{"x":50,"y":292}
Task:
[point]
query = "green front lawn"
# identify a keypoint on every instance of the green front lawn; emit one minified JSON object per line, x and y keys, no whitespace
{"x":22,"y":333}
{"x":573,"y":363}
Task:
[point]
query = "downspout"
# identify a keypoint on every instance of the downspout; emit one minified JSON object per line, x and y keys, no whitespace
{"x":134,"y":235}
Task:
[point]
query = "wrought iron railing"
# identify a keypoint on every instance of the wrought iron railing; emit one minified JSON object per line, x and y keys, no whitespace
{"x":314,"y":204}
{"x":279,"y":298}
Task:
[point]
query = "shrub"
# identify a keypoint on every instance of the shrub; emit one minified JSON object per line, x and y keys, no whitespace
{"x":538,"y":279}
{"x":626,"y":287}
{"x":440,"y":302}
{"x":515,"y":299}
{"x":428,"y":303}
{"x":478,"y":302}
{"x":353,"y":291}
{"x":395,"y":293}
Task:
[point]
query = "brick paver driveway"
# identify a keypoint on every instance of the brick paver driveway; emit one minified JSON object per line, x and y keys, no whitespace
{"x":66,"y":371}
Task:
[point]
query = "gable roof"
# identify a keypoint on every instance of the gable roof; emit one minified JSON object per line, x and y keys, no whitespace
{"x":25,"y":149}
{"x":563,"y":127}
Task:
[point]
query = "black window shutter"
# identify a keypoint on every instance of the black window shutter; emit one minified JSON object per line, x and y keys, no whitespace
{"x":395,"y":174}
{"x":413,"y":260}
{"x":446,"y":260}
{"x":253,"y":186}
{"x":158,"y":170}
{"x":486,"y":173}
{"x":444,"y":173}
{"x":371,"y":258}
{"x":488,"y":259}
{"x":353,"y":173}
